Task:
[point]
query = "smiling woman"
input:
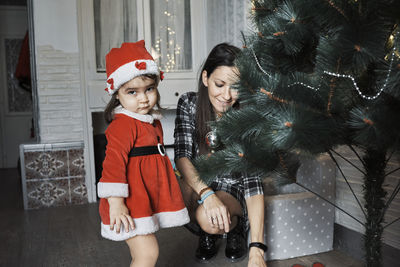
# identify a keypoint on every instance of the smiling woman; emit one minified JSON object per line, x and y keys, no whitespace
{"x":219,"y":88}
{"x":228,"y":205}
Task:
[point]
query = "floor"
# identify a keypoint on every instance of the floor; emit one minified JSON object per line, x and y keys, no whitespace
{"x":69,"y":236}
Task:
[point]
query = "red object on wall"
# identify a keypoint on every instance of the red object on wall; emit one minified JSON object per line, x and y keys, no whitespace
{"x":23,"y":69}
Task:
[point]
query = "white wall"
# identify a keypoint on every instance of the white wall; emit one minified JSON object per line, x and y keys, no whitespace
{"x":56,"y":24}
{"x":58,"y":71}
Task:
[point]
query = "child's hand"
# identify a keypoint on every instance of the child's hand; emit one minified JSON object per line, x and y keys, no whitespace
{"x":119,"y":213}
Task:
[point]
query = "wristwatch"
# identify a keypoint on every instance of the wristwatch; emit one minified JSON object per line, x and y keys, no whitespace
{"x":258,"y":245}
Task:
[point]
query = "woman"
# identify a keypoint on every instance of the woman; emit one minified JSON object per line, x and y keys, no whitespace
{"x":229,"y":205}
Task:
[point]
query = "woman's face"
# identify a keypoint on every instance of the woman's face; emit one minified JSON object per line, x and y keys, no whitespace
{"x":219,"y":88}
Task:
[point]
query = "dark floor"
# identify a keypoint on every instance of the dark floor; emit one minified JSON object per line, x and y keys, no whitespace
{"x":69,"y":236}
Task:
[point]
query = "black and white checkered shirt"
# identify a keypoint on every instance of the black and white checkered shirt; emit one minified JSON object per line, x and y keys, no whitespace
{"x":185,"y":126}
{"x":186,"y":146}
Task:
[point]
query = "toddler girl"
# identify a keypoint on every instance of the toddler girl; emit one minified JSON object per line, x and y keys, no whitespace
{"x":138,"y":188}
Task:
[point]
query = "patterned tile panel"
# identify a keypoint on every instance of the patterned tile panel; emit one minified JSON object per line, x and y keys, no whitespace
{"x":54,"y":177}
{"x":49,"y":193}
{"x":49,"y":164}
{"x":78,"y":190}
{"x":76,"y":162}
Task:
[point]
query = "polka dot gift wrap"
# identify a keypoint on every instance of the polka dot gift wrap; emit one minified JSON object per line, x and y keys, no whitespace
{"x":298,"y":222}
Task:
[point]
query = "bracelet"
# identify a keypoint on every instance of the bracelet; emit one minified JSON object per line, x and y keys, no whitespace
{"x":206,"y":195}
{"x":258,"y":245}
{"x":203,"y":190}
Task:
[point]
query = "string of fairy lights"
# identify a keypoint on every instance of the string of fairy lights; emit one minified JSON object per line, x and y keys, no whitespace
{"x":170,"y":63}
{"x":258,"y":63}
{"x":338,"y":75}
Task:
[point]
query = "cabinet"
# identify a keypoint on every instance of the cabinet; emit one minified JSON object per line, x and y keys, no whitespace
{"x":150,"y":27}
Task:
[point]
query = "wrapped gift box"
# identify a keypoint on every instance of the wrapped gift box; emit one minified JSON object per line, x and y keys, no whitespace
{"x":297,"y":222}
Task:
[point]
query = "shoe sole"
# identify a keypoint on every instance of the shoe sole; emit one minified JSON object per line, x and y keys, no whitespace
{"x":238,"y":259}
{"x":205,"y":261}
{"x":210,"y":259}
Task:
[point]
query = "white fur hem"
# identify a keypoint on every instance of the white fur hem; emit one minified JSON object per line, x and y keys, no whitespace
{"x":105,"y":190}
{"x":149,"y":118}
{"x":147,"y":225}
{"x":173,"y":218}
{"x":143,"y":226}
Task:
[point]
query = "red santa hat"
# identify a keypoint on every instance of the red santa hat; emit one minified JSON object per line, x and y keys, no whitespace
{"x":127,"y":62}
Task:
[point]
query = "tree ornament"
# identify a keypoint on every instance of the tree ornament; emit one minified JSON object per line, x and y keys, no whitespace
{"x":212,"y":140}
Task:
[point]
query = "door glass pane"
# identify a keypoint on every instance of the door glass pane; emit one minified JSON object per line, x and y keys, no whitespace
{"x":115,"y":22}
{"x":18,"y":90}
{"x":171,"y":35}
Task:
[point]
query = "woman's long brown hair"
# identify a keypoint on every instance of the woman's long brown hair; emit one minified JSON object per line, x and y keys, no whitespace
{"x":221,"y":55}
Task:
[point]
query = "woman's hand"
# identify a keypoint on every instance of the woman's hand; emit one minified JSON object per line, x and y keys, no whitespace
{"x":256,"y":258}
{"x":119,"y":214}
{"x":217,"y":213}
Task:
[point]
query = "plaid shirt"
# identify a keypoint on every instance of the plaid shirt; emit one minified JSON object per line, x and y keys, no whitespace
{"x":186,"y":146}
{"x":185,"y":126}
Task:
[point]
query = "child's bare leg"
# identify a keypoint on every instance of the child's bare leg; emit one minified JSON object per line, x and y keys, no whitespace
{"x":144,"y":250}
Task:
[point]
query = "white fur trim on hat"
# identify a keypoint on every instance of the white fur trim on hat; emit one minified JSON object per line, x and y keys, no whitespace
{"x":129,"y":71}
{"x":149,"y":118}
{"x":105,"y":190}
{"x":147,"y":225}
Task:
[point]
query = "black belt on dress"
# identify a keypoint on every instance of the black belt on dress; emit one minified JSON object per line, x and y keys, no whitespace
{"x":147,"y":150}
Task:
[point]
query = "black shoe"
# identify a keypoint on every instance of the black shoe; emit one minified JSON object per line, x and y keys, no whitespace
{"x":236,"y":248}
{"x":194,"y":228}
{"x":207,"y":248}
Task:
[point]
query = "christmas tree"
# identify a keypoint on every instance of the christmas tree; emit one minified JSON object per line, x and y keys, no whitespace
{"x":316,"y":75}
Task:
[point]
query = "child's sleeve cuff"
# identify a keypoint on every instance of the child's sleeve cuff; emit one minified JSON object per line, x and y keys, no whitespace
{"x":106,"y":190}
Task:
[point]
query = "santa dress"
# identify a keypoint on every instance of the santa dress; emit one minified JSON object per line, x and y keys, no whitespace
{"x":147,"y":182}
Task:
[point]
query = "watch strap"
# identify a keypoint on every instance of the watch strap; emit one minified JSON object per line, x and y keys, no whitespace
{"x":259,"y":245}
